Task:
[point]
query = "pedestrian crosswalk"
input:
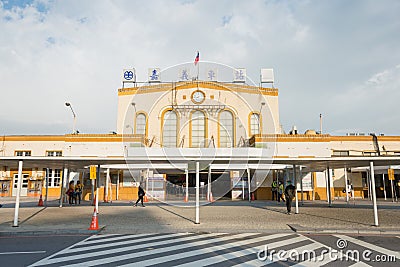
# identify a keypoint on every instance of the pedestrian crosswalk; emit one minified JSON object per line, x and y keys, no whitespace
{"x":201,"y":249}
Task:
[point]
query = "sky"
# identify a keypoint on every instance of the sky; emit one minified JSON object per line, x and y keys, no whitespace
{"x":337,"y":58}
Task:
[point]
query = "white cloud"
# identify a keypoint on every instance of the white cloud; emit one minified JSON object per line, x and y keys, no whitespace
{"x":375,"y":101}
{"x":75,"y":51}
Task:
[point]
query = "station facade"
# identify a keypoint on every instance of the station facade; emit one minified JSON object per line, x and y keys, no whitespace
{"x":177,"y":122}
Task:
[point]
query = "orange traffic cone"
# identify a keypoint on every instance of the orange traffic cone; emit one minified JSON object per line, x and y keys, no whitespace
{"x":94,"y":225}
{"x":40,"y":204}
{"x":145,"y":199}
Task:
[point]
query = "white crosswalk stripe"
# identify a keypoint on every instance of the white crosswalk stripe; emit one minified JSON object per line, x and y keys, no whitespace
{"x":211,"y":237}
{"x":196,"y":249}
{"x":222,"y":256}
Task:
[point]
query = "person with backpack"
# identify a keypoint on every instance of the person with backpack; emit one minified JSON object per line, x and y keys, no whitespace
{"x":290,"y":192}
{"x":141,"y":194}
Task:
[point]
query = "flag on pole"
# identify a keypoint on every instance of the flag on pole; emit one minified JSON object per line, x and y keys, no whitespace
{"x":196,"y":60}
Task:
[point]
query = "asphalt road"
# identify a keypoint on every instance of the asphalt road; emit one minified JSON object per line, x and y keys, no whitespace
{"x":25,"y":250}
{"x":200,"y":249}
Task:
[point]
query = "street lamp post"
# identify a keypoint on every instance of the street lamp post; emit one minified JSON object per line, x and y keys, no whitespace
{"x":73,"y":114}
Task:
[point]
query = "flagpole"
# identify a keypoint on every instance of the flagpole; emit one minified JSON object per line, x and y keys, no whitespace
{"x":198,"y":65}
{"x":197,"y":61}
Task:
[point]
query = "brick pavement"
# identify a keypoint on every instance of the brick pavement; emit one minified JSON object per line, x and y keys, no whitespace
{"x":121,"y":217}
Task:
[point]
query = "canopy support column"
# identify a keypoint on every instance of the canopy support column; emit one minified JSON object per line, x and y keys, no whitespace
{"x":373,"y":191}
{"x":295,"y":183}
{"x":19,"y":183}
{"x":197,"y":193}
{"x":328,"y":187}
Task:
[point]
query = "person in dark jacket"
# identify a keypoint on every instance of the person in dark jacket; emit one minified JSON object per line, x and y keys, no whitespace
{"x":290,"y":192}
{"x":141,"y":194}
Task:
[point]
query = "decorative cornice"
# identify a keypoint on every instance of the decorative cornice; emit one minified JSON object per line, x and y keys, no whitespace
{"x":161,"y":87}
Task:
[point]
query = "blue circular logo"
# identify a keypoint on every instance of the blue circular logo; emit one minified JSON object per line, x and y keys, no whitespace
{"x":128,"y":75}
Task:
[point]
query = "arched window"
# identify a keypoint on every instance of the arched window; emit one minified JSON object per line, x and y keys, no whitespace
{"x":198,"y":129}
{"x":254,"y":124}
{"x":140,"y":123}
{"x":169,"y":129}
{"x":226,"y":130}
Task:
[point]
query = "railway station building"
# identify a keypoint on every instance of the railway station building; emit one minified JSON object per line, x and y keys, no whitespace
{"x":231,"y":127}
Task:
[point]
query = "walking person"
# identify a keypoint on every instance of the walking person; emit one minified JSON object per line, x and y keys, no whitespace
{"x":141,"y":194}
{"x":78,"y":191}
{"x":290,"y":192}
{"x":349,"y":189}
{"x":274,"y":189}
{"x":280,"y":192}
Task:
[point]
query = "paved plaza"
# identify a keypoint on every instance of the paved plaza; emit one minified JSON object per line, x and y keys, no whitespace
{"x":120,"y":217}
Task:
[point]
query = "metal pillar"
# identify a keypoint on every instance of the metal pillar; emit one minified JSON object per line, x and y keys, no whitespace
{"x":384,"y":186}
{"x":369,"y":185}
{"x":248,"y":182}
{"x":301,"y":185}
{"x":313,"y":177}
{"x":47,"y":187}
{"x":197,"y":193}
{"x":19,"y":183}
{"x":295,"y":184}
{"x":209,"y":183}
{"x":346,"y":184}
{"x":107,"y":179}
{"x":117,"y":188}
{"x":392,"y":187}
{"x":64,"y":179}
{"x":373,"y":190}
{"x":92,"y":195}
{"x":187,"y":184}
{"x":241,"y":179}
{"x":329,"y":187}
{"x":97,"y":187}
{"x":147,"y":180}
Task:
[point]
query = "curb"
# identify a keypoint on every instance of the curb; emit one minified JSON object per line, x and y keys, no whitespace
{"x":51,"y":232}
{"x":304,"y":230}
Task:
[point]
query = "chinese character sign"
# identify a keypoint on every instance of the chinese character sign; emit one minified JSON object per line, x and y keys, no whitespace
{"x":184,"y":75}
{"x":239,"y":75}
{"x":211,"y":74}
{"x":154,"y":75}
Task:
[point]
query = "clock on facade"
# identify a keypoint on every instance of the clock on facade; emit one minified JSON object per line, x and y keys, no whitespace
{"x":198,"y":97}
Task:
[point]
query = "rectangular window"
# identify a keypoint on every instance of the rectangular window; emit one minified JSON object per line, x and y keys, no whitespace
{"x":54,"y":177}
{"x":23,"y":153}
{"x":53,"y":153}
{"x":340,"y":153}
{"x":140,"y":124}
{"x":254,"y":124}
{"x":369,"y":153}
